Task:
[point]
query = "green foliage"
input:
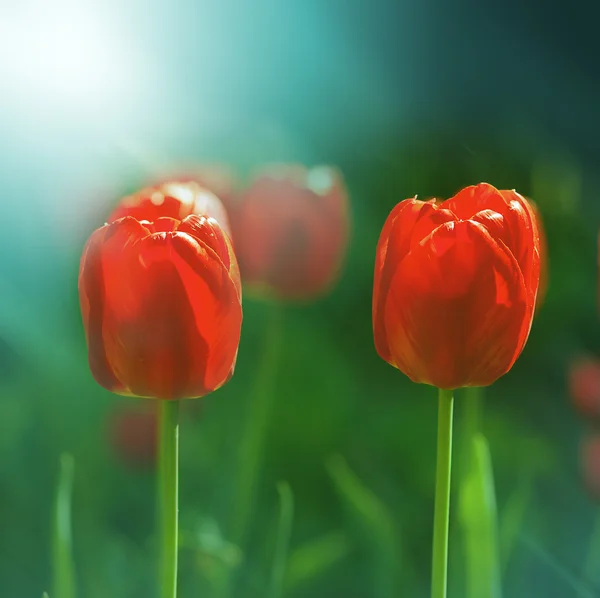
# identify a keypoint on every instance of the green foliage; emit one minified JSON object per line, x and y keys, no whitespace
{"x":478,"y":517}
{"x":374,"y":526}
{"x":62,"y":562}
{"x":359,"y":531}
{"x":283,"y":536}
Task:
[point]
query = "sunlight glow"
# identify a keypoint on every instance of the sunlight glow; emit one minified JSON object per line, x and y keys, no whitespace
{"x":64,"y":58}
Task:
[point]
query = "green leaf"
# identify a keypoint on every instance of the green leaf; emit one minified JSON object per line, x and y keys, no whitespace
{"x":478,"y":516}
{"x":373,"y":522}
{"x":512,"y":517}
{"x":62,"y":557}
{"x":314,"y":558}
{"x":282,"y":543}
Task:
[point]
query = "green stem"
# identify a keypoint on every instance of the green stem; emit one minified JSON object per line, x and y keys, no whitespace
{"x":439,"y":573}
{"x":168,"y":495}
{"x":63,"y":568}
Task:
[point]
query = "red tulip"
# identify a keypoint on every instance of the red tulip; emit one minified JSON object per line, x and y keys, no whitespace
{"x":584,"y":386}
{"x":590,"y":464}
{"x":290,"y":230}
{"x":172,"y":199}
{"x":161,"y":306}
{"x":455,"y":286}
{"x":134,"y":434}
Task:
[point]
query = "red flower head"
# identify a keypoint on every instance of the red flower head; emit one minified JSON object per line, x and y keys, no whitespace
{"x":161,"y":304}
{"x":455,"y":286}
{"x":290,"y":230}
{"x":584,"y":386}
{"x":172,"y":199}
{"x":134,"y":434}
{"x":590,"y":465}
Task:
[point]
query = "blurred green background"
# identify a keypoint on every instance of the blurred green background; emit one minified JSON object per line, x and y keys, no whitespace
{"x":406,"y":98}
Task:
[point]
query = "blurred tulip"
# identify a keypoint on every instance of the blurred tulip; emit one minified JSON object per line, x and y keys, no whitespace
{"x":455,"y":286}
{"x":584,"y":386}
{"x":543,"y":287}
{"x":172,"y":199}
{"x":133,"y":434}
{"x":161,"y":306}
{"x":290,"y":230}
{"x":219,"y":179}
{"x":590,"y":464}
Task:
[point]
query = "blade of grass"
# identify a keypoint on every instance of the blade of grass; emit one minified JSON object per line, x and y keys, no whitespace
{"x":62,"y":557}
{"x":478,"y":515}
{"x":374,"y":522}
{"x":282,"y":543}
{"x":314,"y":558}
{"x":512,"y":518}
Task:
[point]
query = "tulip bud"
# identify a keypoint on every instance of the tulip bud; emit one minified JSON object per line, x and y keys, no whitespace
{"x":290,"y":230}
{"x":455,"y":286}
{"x":161,"y":305}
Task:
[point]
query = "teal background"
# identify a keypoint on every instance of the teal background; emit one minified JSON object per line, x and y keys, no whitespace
{"x":406,"y":98}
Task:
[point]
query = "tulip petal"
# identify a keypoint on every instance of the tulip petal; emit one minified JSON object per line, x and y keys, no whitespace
{"x":149,"y":323}
{"x":526,"y":253}
{"x":92,"y":298}
{"x":408,"y":223}
{"x":216,"y":309}
{"x":470,"y":200}
{"x":519,"y":224}
{"x":209,"y":232}
{"x":456,"y":308}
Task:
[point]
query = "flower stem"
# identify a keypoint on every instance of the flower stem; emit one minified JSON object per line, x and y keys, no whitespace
{"x":63,"y":568}
{"x":439,"y":573}
{"x":168,"y":495}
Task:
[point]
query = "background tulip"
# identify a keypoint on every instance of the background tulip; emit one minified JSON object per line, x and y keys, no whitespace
{"x":590,"y":465}
{"x":133,"y":434}
{"x":161,"y":306}
{"x":455,"y":286}
{"x":290,"y":230}
{"x":584,"y":386}
{"x":219,"y":179}
{"x":172,"y":199}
